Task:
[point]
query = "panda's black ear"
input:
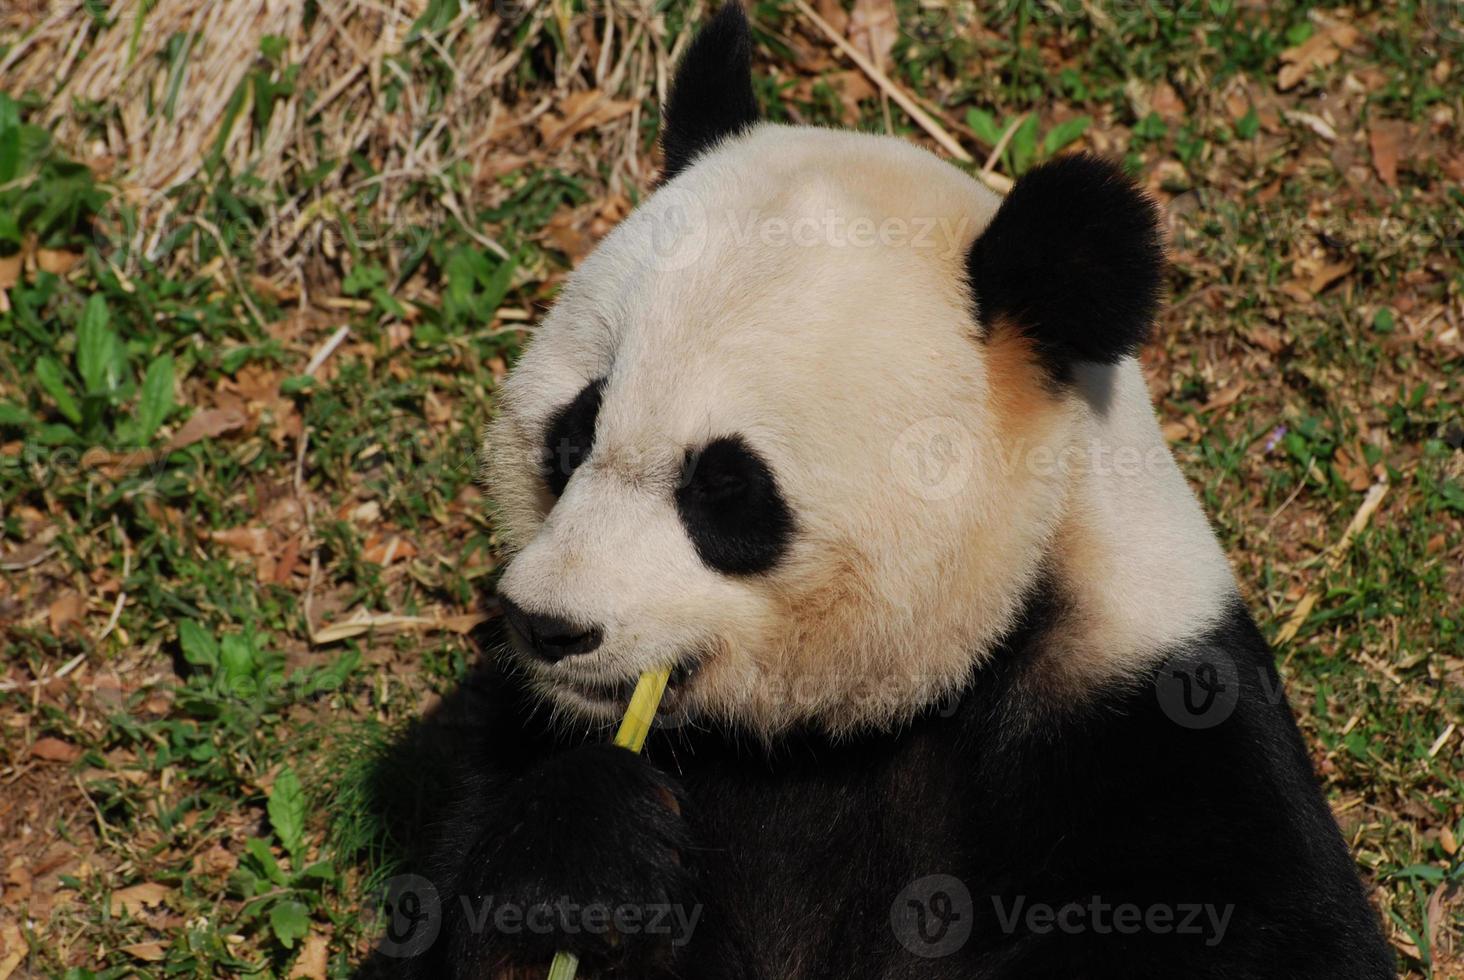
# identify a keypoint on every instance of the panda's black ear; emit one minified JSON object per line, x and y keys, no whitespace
{"x":1075,"y":259}
{"x":711,"y":97}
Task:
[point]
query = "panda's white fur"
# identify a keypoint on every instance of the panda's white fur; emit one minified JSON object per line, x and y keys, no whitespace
{"x":806,"y":289}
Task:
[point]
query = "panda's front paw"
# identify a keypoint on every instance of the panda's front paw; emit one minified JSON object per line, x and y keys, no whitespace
{"x":582,"y":854}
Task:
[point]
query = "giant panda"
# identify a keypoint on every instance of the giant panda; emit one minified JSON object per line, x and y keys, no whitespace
{"x":963,"y":683}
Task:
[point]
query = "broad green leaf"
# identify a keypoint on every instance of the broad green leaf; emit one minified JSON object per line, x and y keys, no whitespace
{"x":236,"y":660}
{"x":9,"y":113}
{"x":1023,"y":147}
{"x":985,"y":126}
{"x":9,"y":154}
{"x":290,"y":921}
{"x":287,"y":810}
{"x":268,"y":866}
{"x":96,"y":348}
{"x":52,"y":378}
{"x":157,"y":397}
{"x":199,"y":646}
{"x":463,"y":268}
{"x":1063,"y":134}
{"x":56,"y":434}
{"x":9,"y":139}
{"x":10,"y":237}
{"x":15,"y":417}
{"x":495,"y":288}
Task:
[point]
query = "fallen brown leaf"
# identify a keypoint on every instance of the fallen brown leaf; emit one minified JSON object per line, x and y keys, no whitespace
{"x":10,"y":266}
{"x":252,"y":540}
{"x":1317,"y":51}
{"x":1328,"y":275}
{"x":56,"y":262}
{"x":833,"y":12}
{"x":1167,"y":103}
{"x":66,"y":610}
{"x":873,"y":28}
{"x":136,"y":898}
{"x":581,"y":111}
{"x":1385,"y":137}
{"x":54,"y":750}
{"x":385,"y":549}
{"x":206,"y":424}
{"x":217,"y":861}
{"x":312,"y":961}
{"x":13,"y":949}
{"x":147,"y":952}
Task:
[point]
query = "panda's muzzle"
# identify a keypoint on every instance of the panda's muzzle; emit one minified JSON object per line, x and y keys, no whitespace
{"x":551,"y":638}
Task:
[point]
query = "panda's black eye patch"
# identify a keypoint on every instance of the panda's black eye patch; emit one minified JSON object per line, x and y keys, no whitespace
{"x":571,"y":436}
{"x":732,"y":508}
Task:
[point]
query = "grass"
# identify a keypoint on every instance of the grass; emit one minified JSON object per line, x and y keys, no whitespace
{"x":205,"y":765}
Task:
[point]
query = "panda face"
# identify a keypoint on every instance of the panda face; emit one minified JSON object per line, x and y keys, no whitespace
{"x":754,"y":445}
{"x":811,"y":423}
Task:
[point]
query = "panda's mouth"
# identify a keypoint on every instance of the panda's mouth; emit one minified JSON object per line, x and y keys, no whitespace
{"x":615,"y":695}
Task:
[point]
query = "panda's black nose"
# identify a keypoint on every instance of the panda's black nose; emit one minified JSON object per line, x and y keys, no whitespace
{"x":551,"y":637}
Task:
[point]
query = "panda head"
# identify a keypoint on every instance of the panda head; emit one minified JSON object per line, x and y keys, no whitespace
{"x":795,"y":427}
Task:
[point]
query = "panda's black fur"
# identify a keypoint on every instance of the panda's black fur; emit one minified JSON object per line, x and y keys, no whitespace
{"x":793,"y":862}
{"x":997,"y":834}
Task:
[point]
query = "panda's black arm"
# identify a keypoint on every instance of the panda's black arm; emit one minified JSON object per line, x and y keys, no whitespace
{"x":547,"y":840}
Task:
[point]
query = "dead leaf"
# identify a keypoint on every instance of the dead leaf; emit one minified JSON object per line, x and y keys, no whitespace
{"x":873,"y":29}
{"x":56,"y":262}
{"x":566,"y":234}
{"x":54,"y":750}
{"x":206,"y":424}
{"x":1436,"y":912}
{"x":137,"y":898}
{"x":1176,"y":431}
{"x":66,"y":610}
{"x":385,"y":549}
{"x":311,"y":963}
{"x":580,"y":111}
{"x":289,"y":560}
{"x":1352,"y":469}
{"x":1317,"y":51}
{"x":1385,"y":137}
{"x":251,"y":540}
{"x":1297,"y":290}
{"x":833,"y":12}
{"x":1167,"y":103}
{"x":10,"y":266}
{"x":216,"y":862}
{"x":1313,"y":122}
{"x":851,"y":87}
{"x":1266,"y":337}
{"x":13,"y":949}
{"x":147,"y":952}
{"x":1328,"y":275}
{"x":1226,"y":397}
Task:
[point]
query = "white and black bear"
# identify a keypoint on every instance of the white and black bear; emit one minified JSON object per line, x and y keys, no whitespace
{"x":963,"y":683}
